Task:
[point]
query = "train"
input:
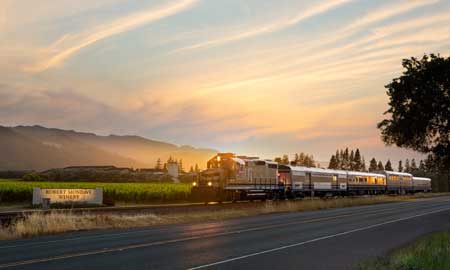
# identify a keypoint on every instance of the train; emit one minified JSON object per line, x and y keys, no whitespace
{"x":229,"y":177}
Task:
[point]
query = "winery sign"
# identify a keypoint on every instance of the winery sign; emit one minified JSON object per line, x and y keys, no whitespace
{"x":68,"y":196}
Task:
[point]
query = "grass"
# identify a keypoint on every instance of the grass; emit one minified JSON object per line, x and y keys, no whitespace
{"x":54,"y":223}
{"x":431,"y":252}
{"x":16,"y":191}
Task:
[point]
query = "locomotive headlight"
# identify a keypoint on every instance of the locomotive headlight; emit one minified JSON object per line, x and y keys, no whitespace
{"x":209,"y":184}
{"x":194,"y":184}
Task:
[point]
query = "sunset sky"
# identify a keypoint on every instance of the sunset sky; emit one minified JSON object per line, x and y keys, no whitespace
{"x":247,"y":76}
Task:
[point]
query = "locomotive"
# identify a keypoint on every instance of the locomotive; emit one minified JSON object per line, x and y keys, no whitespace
{"x":230,"y":177}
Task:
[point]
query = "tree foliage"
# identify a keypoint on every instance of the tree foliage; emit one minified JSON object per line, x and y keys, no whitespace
{"x":400,"y":166}
{"x":388,"y":166}
{"x":373,"y":165}
{"x":419,"y":113}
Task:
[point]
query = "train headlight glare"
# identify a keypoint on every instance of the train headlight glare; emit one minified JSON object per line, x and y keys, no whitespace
{"x":194,"y":184}
{"x":209,"y":184}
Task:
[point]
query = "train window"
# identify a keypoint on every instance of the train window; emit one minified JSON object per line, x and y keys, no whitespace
{"x":273,"y":166}
{"x":260,"y":163}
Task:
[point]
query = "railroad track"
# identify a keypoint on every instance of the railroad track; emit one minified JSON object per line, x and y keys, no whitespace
{"x":7,"y":217}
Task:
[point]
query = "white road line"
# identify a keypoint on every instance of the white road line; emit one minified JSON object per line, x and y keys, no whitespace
{"x":314,"y":240}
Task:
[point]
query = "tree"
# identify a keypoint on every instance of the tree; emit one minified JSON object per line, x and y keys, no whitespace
{"x":296,"y":158}
{"x":301,"y":159}
{"x":400,"y":166}
{"x":197,"y":169}
{"x":351,"y":164}
{"x":422,"y":166}
{"x":277,"y":160}
{"x":419,"y":115}
{"x":346,"y":160}
{"x":158,"y":165}
{"x":364,"y":168}
{"x":333,"y":163}
{"x":338,"y":159}
{"x":285,"y":159}
{"x":407,"y":166}
{"x":388,"y":166}
{"x":380,"y":166}
{"x":413,"y":165}
{"x":373,"y":165}
{"x":165,"y":167}
{"x":309,"y":161}
{"x":358,"y":161}
{"x":180,"y":166}
{"x":191,"y":170}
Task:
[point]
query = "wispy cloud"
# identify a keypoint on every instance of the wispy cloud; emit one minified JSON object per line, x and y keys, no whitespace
{"x":388,"y":11}
{"x":272,"y":27}
{"x":312,"y":63}
{"x":105,"y":31}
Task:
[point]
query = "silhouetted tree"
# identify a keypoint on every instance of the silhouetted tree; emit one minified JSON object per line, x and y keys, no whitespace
{"x":407,"y":166}
{"x":373,"y":165}
{"x":400,"y":166}
{"x":351,"y":164}
{"x":380,"y":166}
{"x":285,"y":159}
{"x":388,"y":166}
{"x":419,"y":116}
{"x":197,"y":169}
{"x":158,"y":165}
{"x":333,"y":163}
{"x":180,"y":166}
{"x":413,"y":165}
{"x":357,"y":161}
{"x":346,"y":160}
{"x":422,"y":166}
{"x":338,"y":159}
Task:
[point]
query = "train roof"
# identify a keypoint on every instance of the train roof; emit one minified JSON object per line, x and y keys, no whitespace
{"x":398,"y":173}
{"x":238,"y":160}
{"x":318,"y":170}
{"x":366,"y":174}
{"x":421,"y":178}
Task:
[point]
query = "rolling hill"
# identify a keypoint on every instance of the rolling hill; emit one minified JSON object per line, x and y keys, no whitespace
{"x":40,"y":148}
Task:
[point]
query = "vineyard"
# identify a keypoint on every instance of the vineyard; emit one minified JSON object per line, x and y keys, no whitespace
{"x":20,"y":191}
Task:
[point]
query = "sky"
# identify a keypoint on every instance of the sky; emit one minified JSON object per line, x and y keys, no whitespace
{"x":257,"y":77}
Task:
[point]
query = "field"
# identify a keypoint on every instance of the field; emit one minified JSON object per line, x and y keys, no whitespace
{"x":428,"y":253}
{"x":14,"y":191}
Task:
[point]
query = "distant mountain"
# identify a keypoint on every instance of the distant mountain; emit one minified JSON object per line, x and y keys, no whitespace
{"x":40,"y":148}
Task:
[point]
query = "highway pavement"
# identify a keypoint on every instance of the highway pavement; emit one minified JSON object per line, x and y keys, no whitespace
{"x":325,"y":239}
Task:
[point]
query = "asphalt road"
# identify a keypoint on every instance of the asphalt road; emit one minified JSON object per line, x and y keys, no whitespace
{"x":326,"y":239}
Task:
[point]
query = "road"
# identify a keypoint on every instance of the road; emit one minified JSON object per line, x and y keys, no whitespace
{"x":326,"y":239}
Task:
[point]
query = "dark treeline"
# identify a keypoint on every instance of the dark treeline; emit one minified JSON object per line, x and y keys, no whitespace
{"x":347,"y":160}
